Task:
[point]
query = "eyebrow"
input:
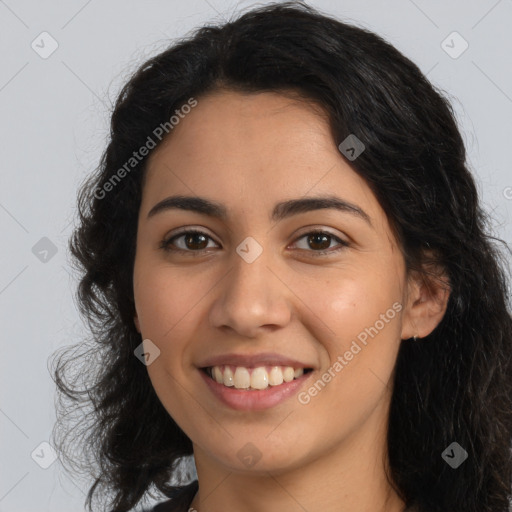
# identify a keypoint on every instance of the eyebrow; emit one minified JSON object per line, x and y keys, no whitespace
{"x":281,"y":210}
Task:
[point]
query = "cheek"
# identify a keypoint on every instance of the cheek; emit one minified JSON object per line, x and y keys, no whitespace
{"x":359,"y":312}
{"x":362,"y":345}
{"x":354,"y":299}
{"x":162,"y":297}
{"x":165,"y":308}
{"x":166,"y":304}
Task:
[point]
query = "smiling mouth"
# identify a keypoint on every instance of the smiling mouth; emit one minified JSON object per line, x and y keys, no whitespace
{"x":259,"y":378}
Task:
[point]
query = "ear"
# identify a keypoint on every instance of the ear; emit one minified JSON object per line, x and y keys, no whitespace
{"x":427,"y":299}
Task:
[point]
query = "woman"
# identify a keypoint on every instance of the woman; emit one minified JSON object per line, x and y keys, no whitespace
{"x":287,"y":275}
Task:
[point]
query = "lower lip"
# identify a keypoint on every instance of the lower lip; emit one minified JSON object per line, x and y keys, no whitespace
{"x":254,"y":400}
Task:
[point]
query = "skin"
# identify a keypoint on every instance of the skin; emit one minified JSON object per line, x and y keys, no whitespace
{"x":249,"y":152}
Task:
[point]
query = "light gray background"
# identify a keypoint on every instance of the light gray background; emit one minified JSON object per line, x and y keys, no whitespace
{"x":54,"y":125}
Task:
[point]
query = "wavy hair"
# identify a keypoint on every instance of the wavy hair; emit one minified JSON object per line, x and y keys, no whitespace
{"x":454,"y":385}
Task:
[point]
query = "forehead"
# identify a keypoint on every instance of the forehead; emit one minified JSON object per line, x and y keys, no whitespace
{"x":230,"y":124}
{"x":252,"y":150}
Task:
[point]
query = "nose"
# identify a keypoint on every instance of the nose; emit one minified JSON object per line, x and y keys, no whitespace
{"x":251,"y":298}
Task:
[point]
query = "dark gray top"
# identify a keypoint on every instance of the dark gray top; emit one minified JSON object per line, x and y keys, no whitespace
{"x":181,"y":500}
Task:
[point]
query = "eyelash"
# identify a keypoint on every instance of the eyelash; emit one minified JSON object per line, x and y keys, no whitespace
{"x":166,"y":243}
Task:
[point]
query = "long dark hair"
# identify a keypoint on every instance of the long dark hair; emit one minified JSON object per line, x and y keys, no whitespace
{"x":453,"y":386}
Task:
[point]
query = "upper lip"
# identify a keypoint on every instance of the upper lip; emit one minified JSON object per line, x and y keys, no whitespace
{"x":253,"y":361}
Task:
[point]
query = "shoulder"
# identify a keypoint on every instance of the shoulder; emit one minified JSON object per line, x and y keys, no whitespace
{"x":180,"y":501}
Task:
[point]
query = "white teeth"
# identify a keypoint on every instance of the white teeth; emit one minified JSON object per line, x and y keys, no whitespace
{"x":288,"y":374}
{"x":228,"y":376}
{"x":257,"y":378}
{"x":276,"y":376}
{"x":217,"y":375}
{"x":242,"y":378}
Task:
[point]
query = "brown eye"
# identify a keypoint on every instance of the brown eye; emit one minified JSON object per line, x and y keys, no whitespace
{"x":195,"y":242}
{"x":192,"y":241}
{"x":320,"y":241}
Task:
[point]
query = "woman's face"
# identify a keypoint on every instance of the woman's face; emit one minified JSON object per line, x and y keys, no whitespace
{"x":253,"y":294}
